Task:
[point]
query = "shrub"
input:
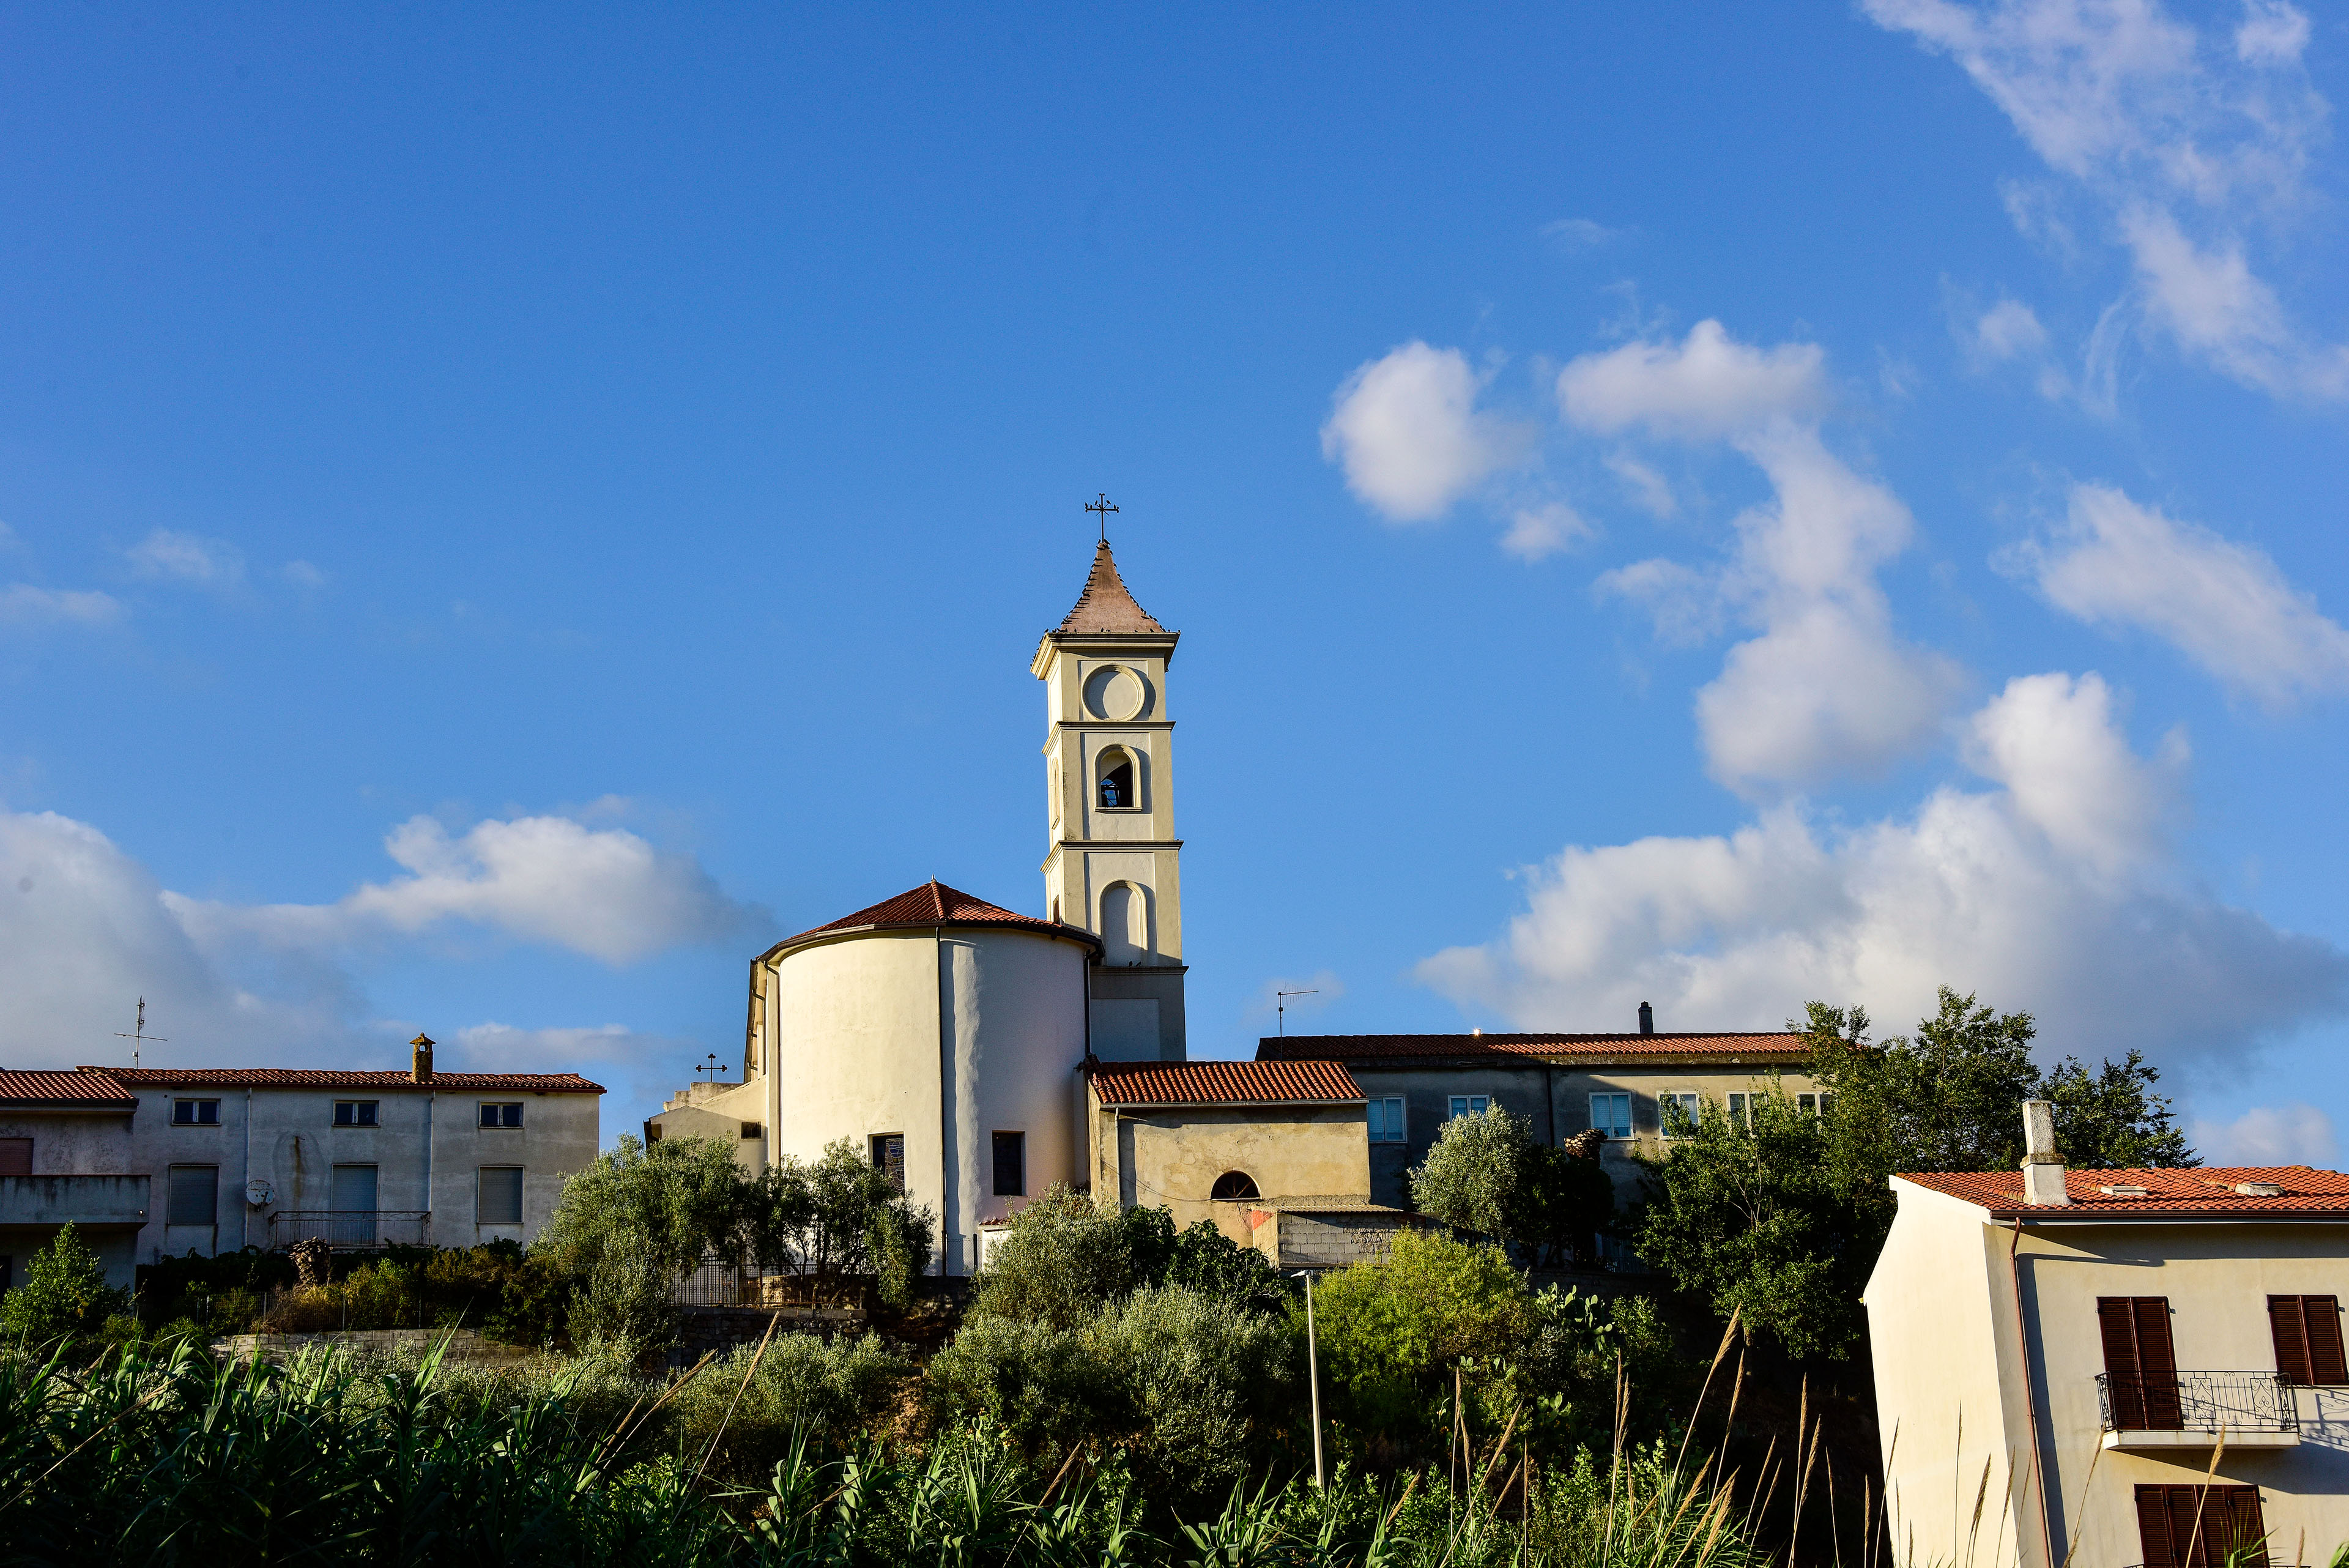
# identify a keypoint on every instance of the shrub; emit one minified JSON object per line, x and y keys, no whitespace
{"x":1204,"y":1381}
{"x":1041,"y":1384}
{"x":827,"y":1390}
{"x":1067,"y":1259}
{"x":65,"y":1295}
{"x":1486,"y":1173}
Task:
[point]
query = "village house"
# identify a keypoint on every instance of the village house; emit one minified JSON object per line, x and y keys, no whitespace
{"x":1562,"y":1084}
{"x":2146,"y":1365}
{"x":161,"y":1161}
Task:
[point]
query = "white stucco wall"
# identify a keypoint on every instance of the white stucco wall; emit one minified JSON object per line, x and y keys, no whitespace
{"x":944,"y":1037}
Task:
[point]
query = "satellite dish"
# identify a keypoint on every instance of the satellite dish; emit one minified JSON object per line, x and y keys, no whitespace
{"x":258,"y":1192}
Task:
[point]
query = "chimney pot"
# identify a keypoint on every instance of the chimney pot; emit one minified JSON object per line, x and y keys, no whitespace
{"x":420,"y":1064}
{"x":1647,"y":1019}
{"x":2043,"y":1167}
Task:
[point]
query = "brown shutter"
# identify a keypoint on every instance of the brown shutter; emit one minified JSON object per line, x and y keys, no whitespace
{"x":2140,"y":1368}
{"x":2154,"y":1543}
{"x":15,"y":1157}
{"x":2320,"y":1316}
{"x":2197,"y":1527}
{"x":2288,"y":1320}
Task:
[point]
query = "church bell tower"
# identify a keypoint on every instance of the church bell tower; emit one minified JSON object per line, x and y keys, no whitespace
{"x":1108,"y":771}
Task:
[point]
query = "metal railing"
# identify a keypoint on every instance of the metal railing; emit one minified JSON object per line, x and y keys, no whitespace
{"x":351,"y":1229}
{"x":2196,"y":1402}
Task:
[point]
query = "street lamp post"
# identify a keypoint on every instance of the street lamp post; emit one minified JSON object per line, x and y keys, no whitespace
{"x":1312,"y":1373}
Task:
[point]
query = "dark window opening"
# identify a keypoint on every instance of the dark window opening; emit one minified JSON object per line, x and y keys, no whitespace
{"x":889,"y":1158}
{"x":754,"y":1129}
{"x":1010,"y":1164}
{"x":1117,"y":782}
{"x":495,"y":1115}
{"x":2140,"y":1367}
{"x":194,"y":1194}
{"x":2199,"y":1526}
{"x":355,"y":1113}
{"x":1235,"y":1187}
{"x":2307,"y":1332}
{"x":501,"y":1195}
{"x":195,"y":1112}
{"x":15,"y":1157}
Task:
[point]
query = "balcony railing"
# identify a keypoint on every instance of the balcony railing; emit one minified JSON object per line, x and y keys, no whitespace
{"x":351,"y":1229}
{"x":84,"y":1201}
{"x":2239,"y":1402}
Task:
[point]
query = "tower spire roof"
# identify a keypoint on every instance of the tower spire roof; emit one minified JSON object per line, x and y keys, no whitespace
{"x":1106,"y":607}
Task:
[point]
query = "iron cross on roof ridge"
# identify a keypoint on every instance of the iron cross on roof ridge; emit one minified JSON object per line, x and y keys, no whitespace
{"x":1101,"y":506}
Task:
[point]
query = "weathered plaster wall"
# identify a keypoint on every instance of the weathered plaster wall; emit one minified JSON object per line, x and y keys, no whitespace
{"x":1172,"y":1158}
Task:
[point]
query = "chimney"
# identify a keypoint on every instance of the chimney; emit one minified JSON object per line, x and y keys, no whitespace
{"x":421,"y":1067}
{"x":2043,"y":1167}
{"x":1647,"y":1019}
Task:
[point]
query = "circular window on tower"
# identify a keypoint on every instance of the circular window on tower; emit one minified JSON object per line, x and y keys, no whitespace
{"x":1116,"y":693}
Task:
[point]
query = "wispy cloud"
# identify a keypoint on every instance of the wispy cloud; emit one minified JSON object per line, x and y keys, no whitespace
{"x":166,"y":556}
{"x":24,"y":606}
{"x":2226,"y":606}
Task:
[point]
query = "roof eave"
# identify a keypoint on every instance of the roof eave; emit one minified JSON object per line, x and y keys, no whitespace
{"x":822,"y":937}
{"x":1228,"y":1104}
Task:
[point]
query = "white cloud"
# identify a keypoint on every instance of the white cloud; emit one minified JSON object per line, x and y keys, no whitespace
{"x":2017,"y":891}
{"x":1410,"y":437}
{"x":604,"y":892}
{"x":1649,"y":490}
{"x":2006,"y":329}
{"x":26,"y":608}
{"x":1581,"y":234}
{"x":1687,"y":605}
{"x":85,"y":930}
{"x":302,"y":575}
{"x":2182,"y":140}
{"x":1545,"y":529}
{"x":2225,"y":605}
{"x":167,"y":555}
{"x":1708,"y":385}
{"x":2295,"y":1134}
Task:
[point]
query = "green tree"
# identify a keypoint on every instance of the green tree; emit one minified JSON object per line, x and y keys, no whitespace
{"x":1487,"y":1173}
{"x":1419,"y":1311}
{"x":633,"y":1224}
{"x":1066,"y":1258}
{"x":1749,"y":1217}
{"x":2112,"y":1119}
{"x":64,"y":1294}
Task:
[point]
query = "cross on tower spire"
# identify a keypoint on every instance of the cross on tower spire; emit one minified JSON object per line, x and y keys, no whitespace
{"x":1101,"y":506}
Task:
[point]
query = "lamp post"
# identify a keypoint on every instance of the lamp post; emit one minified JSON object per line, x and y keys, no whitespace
{"x":1312,"y":1372}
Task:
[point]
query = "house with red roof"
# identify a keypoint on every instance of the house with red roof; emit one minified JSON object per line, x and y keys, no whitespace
{"x":1617,"y":1086}
{"x":162,"y":1161}
{"x":2128,"y":1367}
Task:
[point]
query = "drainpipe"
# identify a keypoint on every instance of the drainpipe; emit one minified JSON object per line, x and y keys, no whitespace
{"x":2030,"y":1400}
{"x":244,"y":1208}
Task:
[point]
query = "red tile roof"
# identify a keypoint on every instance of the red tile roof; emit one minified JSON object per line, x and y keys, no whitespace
{"x":2203,"y":1190}
{"x":933,"y":904}
{"x":1781,"y":1049}
{"x":1223,"y":1084}
{"x":88,"y":1089}
{"x":319,"y":1078}
{"x":1105,"y":608}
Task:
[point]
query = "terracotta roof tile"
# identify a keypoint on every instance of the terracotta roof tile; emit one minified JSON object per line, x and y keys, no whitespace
{"x":89,"y":1088}
{"x":1778,"y":1048}
{"x":933,"y":904}
{"x":320,"y":1078}
{"x":1105,"y":608}
{"x":1224,"y":1082}
{"x":2204,"y":1189}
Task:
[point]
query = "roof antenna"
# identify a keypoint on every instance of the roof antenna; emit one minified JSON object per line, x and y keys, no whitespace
{"x":1101,"y":506}
{"x":137,"y":1034}
{"x":1280,"y":1006}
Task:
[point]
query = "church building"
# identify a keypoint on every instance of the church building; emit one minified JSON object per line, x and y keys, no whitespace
{"x":981,"y":1056}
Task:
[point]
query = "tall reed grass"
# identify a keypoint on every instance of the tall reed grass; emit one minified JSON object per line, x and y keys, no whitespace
{"x":167,"y":1457}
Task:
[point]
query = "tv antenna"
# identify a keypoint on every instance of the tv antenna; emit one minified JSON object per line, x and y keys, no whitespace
{"x":137,"y":1034}
{"x":1280,"y":1005}
{"x":1101,"y":506}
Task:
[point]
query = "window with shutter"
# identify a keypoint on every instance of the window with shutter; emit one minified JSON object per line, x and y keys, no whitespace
{"x":2140,"y":1368}
{"x":2307,"y":1332}
{"x":2198,"y":1526}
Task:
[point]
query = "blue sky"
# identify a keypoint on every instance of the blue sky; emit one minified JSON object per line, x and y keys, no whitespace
{"x":509,"y":514}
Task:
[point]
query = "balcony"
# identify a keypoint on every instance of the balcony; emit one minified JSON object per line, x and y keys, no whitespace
{"x":351,"y":1229}
{"x":2150,"y":1412}
{"x":88,"y":1202}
